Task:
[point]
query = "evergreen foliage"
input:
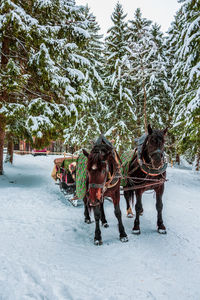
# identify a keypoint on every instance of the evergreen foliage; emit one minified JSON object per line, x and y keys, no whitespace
{"x":184,"y":43}
{"x":86,"y":124}
{"x":59,"y":80}
{"x":119,"y":99}
{"x":44,"y":77}
{"x":148,"y":72}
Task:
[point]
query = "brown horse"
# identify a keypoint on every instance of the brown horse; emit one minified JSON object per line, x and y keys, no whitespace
{"x":147,"y":170}
{"x":101,"y":181}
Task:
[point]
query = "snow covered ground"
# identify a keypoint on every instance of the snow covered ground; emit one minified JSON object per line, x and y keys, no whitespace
{"x":47,"y":251}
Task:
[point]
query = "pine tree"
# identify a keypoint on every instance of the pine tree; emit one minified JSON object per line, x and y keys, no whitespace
{"x":186,"y":78}
{"x":87,"y":124}
{"x":139,"y":44}
{"x":43,"y":73}
{"x":119,"y":100}
{"x":148,"y":72}
{"x":172,"y":41}
{"x":159,"y":90}
{"x":12,"y":73}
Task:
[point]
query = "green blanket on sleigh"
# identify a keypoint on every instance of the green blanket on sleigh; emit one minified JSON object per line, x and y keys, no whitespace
{"x":126,"y":158}
{"x":81,"y":176}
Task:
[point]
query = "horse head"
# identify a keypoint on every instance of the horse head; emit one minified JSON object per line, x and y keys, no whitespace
{"x":97,"y":170}
{"x":153,"y":147}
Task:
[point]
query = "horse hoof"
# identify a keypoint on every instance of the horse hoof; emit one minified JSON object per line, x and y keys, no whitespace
{"x":136,"y":231}
{"x":87,"y":221}
{"x":124,"y":239}
{"x":98,"y":242}
{"x":129,"y":215}
{"x":162,"y":231}
{"x":105,"y":225}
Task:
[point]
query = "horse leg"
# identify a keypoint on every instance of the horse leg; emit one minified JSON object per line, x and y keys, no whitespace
{"x":128,"y":196}
{"x":159,"y":207}
{"x":123,"y":236}
{"x":138,"y":209}
{"x":103,"y":218}
{"x":87,"y":215}
{"x":97,"y":216}
{"x":86,"y":211}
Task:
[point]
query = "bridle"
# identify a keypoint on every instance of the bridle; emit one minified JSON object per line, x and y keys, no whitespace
{"x":102,"y":186}
{"x":147,"y":168}
{"x":155,"y":152}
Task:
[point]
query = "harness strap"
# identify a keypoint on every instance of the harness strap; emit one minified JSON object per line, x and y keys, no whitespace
{"x":153,"y":172}
{"x":136,"y":187}
{"x":105,"y":185}
{"x":150,"y":171}
{"x":156,"y":151}
{"x":132,"y":171}
{"x":96,"y":185}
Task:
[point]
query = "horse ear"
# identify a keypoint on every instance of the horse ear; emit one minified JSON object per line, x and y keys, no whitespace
{"x":149,"y":129}
{"x":85,"y":152}
{"x":165,"y":131}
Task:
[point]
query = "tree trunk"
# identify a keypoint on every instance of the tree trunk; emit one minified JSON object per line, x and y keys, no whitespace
{"x":9,"y":157}
{"x":197,"y":160}
{"x":145,"y":101}
{"x":145,"y":109}
{"x":2,"y":135}
{"x":178,"y":159}
{"x":5,"y":51}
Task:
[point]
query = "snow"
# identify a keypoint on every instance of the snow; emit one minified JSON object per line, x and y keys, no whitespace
{"x":47,"y":250}
{"x":43,"y":3}
{"x":75,"y":73}
{"x":37,"y":122}
{"x":81,"y":31}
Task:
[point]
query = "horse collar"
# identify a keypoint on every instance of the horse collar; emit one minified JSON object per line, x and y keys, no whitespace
{"x":152,"y":172}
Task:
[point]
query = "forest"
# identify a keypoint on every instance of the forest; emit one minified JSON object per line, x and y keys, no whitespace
{"x":61,"y":79}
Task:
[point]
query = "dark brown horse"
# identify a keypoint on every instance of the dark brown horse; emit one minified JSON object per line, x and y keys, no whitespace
{"x":147,"y":170}
{"x":101,"y":181}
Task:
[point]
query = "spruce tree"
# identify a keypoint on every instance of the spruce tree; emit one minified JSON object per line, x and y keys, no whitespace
{"x":118,"y":95}
{"x":148,"y":72}
{"x":172,"y":44}
{"x":14,"y":33}
{"x":87,"y":124}
{"x":186,"y":78}
{"x":139,"y":44}
{"x":43,"y":72}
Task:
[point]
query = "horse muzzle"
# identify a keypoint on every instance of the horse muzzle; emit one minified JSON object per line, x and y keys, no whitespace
{"x":157,"y":159}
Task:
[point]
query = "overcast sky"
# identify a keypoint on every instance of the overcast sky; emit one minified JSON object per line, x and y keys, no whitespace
{"x":159,"y":11}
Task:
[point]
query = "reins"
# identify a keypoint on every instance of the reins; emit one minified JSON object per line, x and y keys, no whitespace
{"x":135,"y":187}
{"x":143,"y":185}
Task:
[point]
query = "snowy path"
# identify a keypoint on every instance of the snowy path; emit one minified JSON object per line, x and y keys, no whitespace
{"x":47,"y":251}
